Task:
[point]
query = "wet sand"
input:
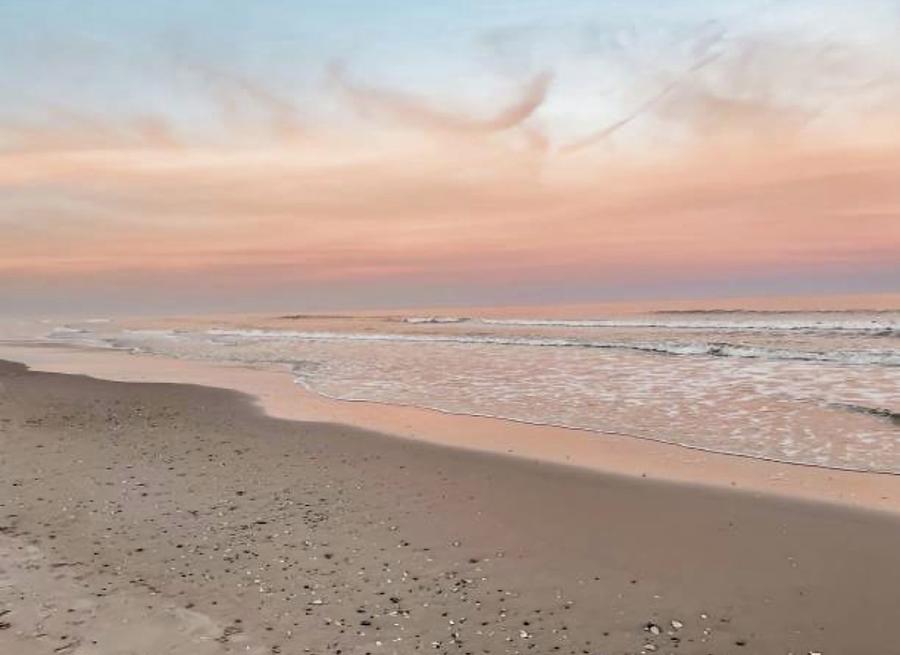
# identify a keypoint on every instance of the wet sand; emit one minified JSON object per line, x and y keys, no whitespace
{"x":275,"y":392}
{"x":161,"y":518}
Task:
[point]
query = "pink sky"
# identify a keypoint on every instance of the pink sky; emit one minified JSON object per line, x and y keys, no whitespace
{"x":403,"y":195}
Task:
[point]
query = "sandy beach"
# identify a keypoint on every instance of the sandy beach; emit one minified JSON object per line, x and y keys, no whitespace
{"x":485,"y":328}
{"x":162,"y":518}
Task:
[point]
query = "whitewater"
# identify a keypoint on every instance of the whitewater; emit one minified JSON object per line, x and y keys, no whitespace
{"x":816,"y":388}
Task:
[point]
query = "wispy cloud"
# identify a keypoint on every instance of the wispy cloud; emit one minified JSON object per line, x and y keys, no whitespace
{"x":413,"y":111}
{"x":760,"y":173}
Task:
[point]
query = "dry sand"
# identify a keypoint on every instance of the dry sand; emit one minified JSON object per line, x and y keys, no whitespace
{"x":161,"y":518}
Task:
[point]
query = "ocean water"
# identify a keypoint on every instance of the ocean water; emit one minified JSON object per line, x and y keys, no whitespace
{"x":817,"y":388}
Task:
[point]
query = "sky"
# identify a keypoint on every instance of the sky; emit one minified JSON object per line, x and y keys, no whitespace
{"x":221,"y":155}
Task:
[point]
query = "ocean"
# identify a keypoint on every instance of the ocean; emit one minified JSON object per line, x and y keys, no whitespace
{"x":815,"y":388}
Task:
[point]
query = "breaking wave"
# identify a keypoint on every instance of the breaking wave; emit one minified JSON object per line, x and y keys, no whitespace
{"x":435,"y":319}
{"x":884,"y":326}
{"x":703,"y":348}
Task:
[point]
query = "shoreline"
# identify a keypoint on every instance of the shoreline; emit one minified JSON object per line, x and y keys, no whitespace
{"x":181,"y":519}
{"x":550,"y":427}
{"x":277,"y":394}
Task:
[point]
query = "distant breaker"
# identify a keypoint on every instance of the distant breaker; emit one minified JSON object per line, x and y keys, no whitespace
{"x":886,"y":321}
{"x":695,"y":347}
{"x":435,"y":319}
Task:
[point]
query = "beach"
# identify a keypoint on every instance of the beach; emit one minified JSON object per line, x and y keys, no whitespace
{"x":390,"y":328}
{"x":164,"y":518}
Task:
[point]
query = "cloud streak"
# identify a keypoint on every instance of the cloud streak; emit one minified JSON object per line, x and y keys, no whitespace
{"x":703,"y":50}
{"x":413,"y":111}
